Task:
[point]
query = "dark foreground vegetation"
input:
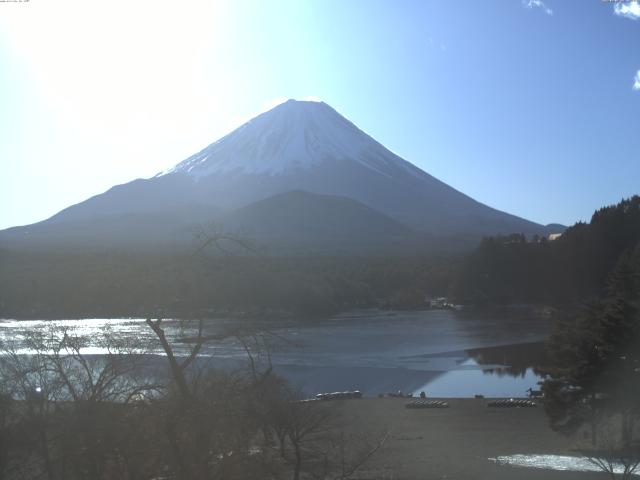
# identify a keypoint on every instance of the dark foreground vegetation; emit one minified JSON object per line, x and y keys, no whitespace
{"x":594,"y":381}
{"x":66,"y":415}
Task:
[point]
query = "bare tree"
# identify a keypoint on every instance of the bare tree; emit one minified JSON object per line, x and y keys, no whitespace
{"x":213,"y":425}
{"x":315,"y":441}
{"x":72,"y":403}
{"x":615,"y":452}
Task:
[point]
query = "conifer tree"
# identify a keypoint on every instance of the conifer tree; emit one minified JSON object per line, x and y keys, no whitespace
{"x":596,"y":357}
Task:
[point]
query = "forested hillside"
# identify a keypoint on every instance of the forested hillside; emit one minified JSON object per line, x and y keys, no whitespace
{"x":572,"y":268}
{"x":115,"y":284}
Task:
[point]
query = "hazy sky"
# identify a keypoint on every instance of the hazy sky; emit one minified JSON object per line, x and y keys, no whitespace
{"x":530,"y":107}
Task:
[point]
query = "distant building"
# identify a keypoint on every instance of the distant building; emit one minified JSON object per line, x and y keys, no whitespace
{"x":437,"y":303}
{"x":554,"y":236}
{"x":441,"y":303}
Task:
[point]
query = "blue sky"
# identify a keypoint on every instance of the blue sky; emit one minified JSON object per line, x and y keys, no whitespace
{"x":529,"y":107}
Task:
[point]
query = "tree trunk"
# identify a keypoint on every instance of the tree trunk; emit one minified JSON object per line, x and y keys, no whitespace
{"x":176,"y":370}
{"x":45,"y":452}
{"x":181,"y":466}
{"x":298,"y":461}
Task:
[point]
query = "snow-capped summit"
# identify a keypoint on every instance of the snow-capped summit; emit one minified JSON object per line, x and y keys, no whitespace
{"x":295,"y":135}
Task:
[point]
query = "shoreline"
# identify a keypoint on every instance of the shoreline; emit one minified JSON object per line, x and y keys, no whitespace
{"x":255,"y":314}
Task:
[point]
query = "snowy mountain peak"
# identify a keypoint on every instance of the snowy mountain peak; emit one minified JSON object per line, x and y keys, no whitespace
{"x":295,"y":135}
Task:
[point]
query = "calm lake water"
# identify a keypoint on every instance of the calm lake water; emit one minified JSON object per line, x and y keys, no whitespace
{"x":442,"y":352}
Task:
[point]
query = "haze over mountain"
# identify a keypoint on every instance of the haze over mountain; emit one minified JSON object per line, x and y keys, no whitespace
{"x":299,"y":174}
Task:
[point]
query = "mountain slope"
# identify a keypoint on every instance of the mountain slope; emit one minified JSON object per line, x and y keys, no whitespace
{"x":311,"y":223}
{"x":297,"y":146}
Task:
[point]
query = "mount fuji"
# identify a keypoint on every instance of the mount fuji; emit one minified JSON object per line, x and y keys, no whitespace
{"x":300,"y":176}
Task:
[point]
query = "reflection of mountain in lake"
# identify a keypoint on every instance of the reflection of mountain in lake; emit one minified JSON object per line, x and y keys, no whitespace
{"x":512,"y":360}
{"x":498,"y":371}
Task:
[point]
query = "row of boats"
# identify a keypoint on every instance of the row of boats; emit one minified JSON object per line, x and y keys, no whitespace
{"x":339,"y":395}
{"x":504,"y":403}
{"x":422,"y":402}
{"x":512,"y":403}
{"x":427,"y":404}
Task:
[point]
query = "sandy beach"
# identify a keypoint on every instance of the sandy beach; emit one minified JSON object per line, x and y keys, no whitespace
{"x":458,"y":442}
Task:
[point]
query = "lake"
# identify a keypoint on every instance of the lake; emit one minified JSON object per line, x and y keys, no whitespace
{"x":445,"y":353}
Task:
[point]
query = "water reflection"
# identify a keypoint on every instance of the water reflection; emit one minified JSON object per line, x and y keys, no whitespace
{"x":513,"y":360}
{"x":446,"y":353}
{"x":500,"y":371}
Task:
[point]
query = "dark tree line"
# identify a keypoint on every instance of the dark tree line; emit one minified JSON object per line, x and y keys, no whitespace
{"x":595,"y":379}
{"x":118,"y":284}
{"x":571,"y":269}
{"x":596,"y":354}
